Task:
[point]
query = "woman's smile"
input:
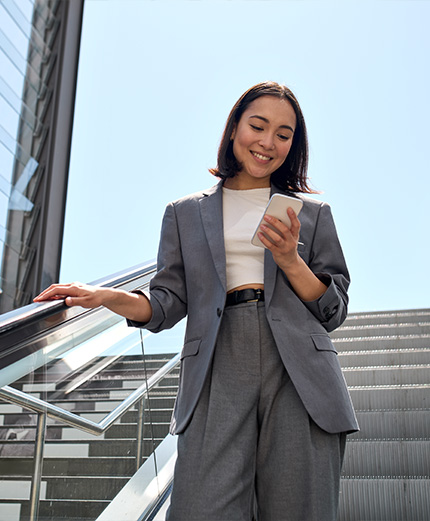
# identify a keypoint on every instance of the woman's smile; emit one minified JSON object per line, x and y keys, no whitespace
{"x":260,"y":157}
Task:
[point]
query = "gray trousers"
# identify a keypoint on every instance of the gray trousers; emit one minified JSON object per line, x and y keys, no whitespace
{"x":251,"y":448}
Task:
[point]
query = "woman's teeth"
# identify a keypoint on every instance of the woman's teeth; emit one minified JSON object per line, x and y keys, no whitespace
{"x":259,"y":156}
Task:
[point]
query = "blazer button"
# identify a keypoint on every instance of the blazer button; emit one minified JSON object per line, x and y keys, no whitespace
{"x":219,"y":312}
{"x":329,"y":313}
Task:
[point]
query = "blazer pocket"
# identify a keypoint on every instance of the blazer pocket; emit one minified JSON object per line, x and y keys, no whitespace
{"x":191,"y":348}
{"x":323,"y":343}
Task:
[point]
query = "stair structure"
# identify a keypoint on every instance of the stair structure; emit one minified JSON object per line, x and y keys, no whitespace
{"x":81,"y":472}
{"x":386,"y":363}
{"x":386,"y":477}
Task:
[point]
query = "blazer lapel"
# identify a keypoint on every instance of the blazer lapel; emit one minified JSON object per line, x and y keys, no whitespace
{"x":270,"y":266}
{"x":211,"y":213}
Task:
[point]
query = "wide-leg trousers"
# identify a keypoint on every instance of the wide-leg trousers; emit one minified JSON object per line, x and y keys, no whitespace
{"x":251,"y":448}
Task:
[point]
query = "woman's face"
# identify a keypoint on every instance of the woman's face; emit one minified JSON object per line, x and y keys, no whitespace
{"x":261,"y":141}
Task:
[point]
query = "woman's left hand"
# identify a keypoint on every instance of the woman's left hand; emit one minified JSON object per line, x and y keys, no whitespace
{"x":282,"y":243}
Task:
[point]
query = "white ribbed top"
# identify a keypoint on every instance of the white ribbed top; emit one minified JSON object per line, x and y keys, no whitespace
{"x":242,"y":211}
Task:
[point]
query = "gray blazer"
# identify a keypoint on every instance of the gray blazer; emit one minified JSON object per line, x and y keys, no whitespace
{"x":191,"y":280}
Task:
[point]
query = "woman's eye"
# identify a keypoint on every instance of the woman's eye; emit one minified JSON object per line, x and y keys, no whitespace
{"x":255,"y":127}
{"x":284,"y":138}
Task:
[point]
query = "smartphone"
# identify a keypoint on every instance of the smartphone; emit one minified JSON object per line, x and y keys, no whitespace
{"x":277,"y":207}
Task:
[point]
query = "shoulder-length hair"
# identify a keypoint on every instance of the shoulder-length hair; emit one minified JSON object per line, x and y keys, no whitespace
{"x":292,"y":174}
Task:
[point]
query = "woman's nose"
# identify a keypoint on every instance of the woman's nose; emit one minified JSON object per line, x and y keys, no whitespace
{"x":267,"y":141}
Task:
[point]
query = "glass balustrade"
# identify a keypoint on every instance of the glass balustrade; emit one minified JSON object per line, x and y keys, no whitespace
{"x":85,"y":402}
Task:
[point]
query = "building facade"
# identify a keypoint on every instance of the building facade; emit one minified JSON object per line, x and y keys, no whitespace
{"x":39,"y":50}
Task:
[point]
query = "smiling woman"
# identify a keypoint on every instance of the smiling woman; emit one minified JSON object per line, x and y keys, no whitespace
{"x":260,"y":385}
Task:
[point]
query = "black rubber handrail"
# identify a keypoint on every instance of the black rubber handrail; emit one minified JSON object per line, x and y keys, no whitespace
{"x":20,"y":326}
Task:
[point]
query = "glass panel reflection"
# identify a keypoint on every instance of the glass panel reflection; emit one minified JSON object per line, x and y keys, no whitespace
{"x":88,"y":374}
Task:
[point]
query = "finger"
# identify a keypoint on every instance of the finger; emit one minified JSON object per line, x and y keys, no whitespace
{"x":74,"y":301}
{"x":266,"y":243}
{"x":46,"y":291}
{"x":57,"y":291}
{"x":276,"y":223}
{"x":295,"y":223}
{"x":86,"y":301}
{"x":51,"y":294}
{"x":271,"y":236}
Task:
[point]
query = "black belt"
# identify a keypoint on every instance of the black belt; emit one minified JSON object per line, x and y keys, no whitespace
{"x":244,"y":295}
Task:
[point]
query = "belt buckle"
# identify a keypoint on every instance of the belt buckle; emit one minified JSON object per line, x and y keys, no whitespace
{"x":258,"y":293}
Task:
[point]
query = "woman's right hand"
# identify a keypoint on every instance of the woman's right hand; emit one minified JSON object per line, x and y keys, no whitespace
{"x":75,"y":294}
{"x":134,"y":306}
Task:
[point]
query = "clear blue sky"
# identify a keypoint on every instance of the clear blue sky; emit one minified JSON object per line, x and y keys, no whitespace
{"x":157,"y":80}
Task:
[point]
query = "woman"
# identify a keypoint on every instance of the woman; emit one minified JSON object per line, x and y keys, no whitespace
{"x":262,"y":409}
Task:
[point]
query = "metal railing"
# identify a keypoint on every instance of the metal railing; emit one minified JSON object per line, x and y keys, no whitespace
{"x":45,"y":409}
{"x":23,"y":330}
{"x":27,"y":331}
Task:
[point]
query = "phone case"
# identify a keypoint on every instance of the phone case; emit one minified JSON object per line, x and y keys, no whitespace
{"x":277,"y":207}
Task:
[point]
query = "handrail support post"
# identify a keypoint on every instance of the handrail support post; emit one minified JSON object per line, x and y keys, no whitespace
{"x":38,"y":463}
{"x":140,"y":432}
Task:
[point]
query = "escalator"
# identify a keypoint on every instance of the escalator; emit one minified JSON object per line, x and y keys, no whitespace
{"x":85,"y":405}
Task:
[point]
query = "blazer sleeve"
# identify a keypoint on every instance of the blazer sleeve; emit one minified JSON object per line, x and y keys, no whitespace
{"x":328,"y":263}
{"x":167,"y":289}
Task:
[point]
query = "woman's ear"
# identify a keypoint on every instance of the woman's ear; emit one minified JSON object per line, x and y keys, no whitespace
{"x":233,"y":133}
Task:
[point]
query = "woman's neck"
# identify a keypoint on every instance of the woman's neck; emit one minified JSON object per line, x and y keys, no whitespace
{"x":239,"y":183}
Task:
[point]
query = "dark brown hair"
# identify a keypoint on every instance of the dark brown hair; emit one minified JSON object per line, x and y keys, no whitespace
{"x":292,"y":174}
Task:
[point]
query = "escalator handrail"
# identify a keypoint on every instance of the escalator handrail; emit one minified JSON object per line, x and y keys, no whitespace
{"x":31,"y":313}
{"x":21,"y":329}
{"x":40,"y":406}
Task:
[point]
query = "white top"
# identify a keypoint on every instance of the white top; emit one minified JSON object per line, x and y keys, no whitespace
{"x":242,"y":211}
